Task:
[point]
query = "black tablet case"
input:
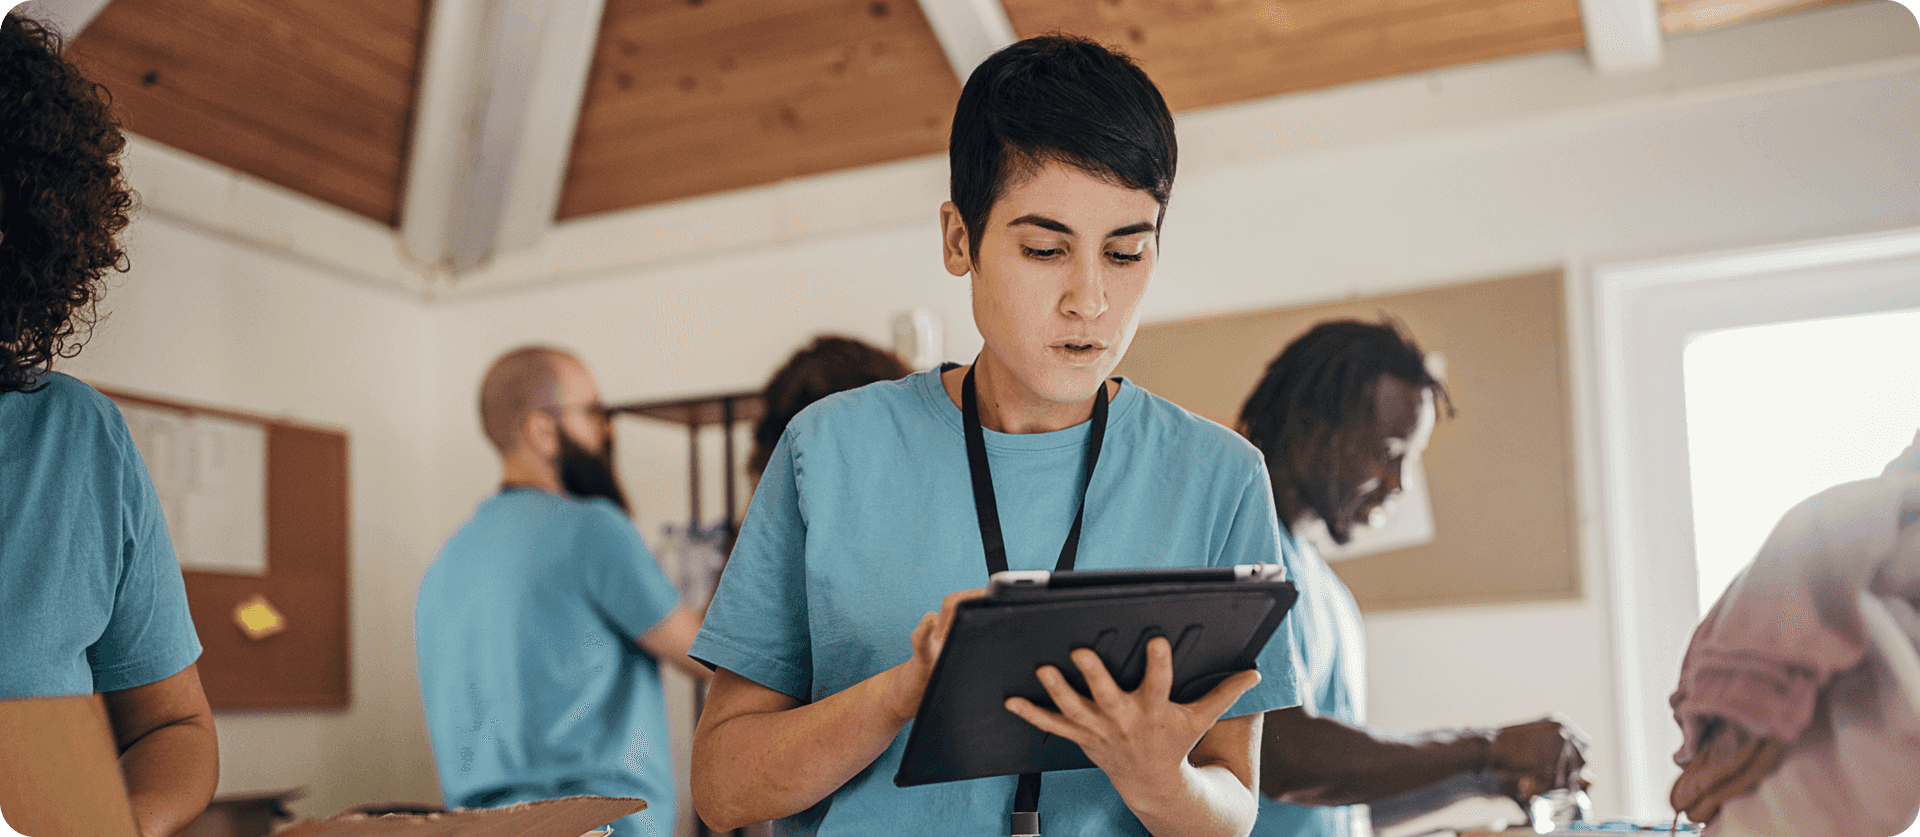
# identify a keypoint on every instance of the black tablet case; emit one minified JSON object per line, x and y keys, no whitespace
{"x":963,"y":729}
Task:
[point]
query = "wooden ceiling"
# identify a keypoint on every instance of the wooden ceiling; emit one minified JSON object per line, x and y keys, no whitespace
{"x":1204,"y":53}
{"x":694,"y":97}
{"x":314,"y":95}
{"x":690,"y":97}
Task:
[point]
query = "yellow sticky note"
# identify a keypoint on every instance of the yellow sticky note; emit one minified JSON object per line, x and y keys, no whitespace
{"x":258,"y":618}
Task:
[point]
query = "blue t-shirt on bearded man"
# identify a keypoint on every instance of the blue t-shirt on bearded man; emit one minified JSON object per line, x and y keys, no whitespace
{"x":864,"y":520}
{"x":90,"y":594}
{"x":533,"y":683}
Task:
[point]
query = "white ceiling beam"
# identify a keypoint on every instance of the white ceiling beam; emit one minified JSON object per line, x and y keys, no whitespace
{"x":446,"y":108}
{"x":500,"y":99}
{"x":968,"y":30}
{"x":1623,"y":36}
{"x":67,"y":17}
{"x":542,"y":52}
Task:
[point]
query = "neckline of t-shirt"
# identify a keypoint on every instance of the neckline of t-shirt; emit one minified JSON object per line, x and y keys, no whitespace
{"x":944,"y":410}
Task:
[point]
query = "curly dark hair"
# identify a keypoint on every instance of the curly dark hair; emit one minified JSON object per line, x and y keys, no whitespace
{"x":62,"y":203}
{"x":828,"y":365}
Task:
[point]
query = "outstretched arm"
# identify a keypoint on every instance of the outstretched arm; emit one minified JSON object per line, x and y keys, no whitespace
{"x":759,"y":754}
{"x":669,"y":640}
{"x":168,"y":755}
{"x":1310,"y":760}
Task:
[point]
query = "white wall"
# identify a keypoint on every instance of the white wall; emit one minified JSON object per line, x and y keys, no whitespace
{"x":1793,"y":129}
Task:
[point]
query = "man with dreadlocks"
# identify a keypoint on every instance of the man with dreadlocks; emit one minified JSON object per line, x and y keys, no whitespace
{"x":1338,"y":415}
{"x":90,"y":594}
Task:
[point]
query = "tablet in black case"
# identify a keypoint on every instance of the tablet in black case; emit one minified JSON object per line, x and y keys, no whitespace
{"x":1217,"y":618}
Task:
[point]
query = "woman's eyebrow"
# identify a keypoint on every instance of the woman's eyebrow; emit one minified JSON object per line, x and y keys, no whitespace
{"x":1042,"y":222}
{"x":1046,"y":223}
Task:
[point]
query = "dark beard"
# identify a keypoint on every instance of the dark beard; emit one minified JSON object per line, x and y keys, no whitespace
{"x":586,"y":474}
{"x":1320,"y":484}
{"x":1321,"y":498}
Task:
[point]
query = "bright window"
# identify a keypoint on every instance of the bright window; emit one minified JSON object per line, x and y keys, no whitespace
{"x":1778,"y":412}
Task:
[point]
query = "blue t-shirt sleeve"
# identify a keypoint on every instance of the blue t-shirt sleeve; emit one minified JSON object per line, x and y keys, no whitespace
{"x":619,"y":575}
{"x":757,"y":626}
{"x":150,"y":636}
{"x":1253,"y":537}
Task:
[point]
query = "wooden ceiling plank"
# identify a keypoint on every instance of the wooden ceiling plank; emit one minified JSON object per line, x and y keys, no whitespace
{"x":245,"y":74}
{"x":144,"y":107}
{"x":1477,"y":23}
{"x":256,"y":46}
{"x":403,"y":18}
{"x":807,"y":45}
{"x":270,"y":157}
{"x":699,"y":173}
{"x":671,"y":91}
{"x":374,"y":30}
{"x":1204,"y":55}
{"x":658,"y":101}
{"x":685,"y":101}
{"x":152,"y":112}
{"x":782,"y":149}
{"x":316,"y":52}
{"x":772,"y":129}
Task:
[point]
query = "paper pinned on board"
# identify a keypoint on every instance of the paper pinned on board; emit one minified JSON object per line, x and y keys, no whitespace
{"x":211,"y":475}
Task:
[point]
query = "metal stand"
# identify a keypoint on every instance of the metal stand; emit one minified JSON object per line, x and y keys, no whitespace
{"x":724,"y":410}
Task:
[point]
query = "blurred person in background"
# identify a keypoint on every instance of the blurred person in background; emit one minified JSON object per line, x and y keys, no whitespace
{"x":823,"y":367}
{"x":542,"y":625}
{"x":1794,"y":721}
{"x":1339,"y":415}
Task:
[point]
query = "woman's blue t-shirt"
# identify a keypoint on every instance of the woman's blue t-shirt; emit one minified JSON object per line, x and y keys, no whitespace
{"x":864,"y":520}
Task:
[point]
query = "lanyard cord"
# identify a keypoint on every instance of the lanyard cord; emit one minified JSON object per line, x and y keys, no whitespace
{"x":1026,"y":797}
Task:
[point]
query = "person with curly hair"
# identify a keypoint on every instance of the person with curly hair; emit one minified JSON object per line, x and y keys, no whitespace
{"x":91,"y":598}
{"x":823,"y":367}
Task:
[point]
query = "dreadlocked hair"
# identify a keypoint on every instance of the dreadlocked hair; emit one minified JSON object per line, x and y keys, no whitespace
{"x":1324,"y":380}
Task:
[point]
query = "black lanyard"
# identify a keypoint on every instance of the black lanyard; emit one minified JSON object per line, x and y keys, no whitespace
{"x":1026,"y":797}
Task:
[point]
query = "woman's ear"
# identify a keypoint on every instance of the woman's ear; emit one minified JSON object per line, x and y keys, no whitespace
{"x":956,"y":247}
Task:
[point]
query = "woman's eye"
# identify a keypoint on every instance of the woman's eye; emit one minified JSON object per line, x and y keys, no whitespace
{"x":1124,"y":257}
{"x":1042,"y":254}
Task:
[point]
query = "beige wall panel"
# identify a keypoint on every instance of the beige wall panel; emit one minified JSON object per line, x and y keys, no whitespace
{"x":1500,"y":471}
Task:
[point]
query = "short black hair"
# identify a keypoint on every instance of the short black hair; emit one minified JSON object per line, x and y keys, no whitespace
{"x":62,"y":202}
{"x":1057,"y":98}
{"x":1324,"y":380}
{"x":828,"y":365}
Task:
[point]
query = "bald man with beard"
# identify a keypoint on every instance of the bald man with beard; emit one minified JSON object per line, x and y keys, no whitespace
{"x":542,"y":624}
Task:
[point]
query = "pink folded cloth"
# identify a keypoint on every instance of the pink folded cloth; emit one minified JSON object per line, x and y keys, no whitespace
{"x":1789,"y":622}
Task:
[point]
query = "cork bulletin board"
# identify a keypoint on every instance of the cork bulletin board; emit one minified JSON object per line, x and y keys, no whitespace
{"x":257,"y":510}
{"x":1500,"y":472}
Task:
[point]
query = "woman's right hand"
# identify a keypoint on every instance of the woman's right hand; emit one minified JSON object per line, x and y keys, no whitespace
{"x":908,"y":680}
